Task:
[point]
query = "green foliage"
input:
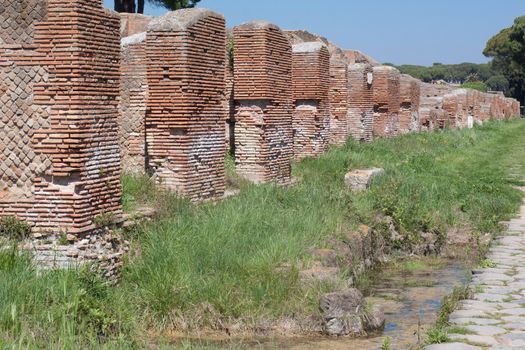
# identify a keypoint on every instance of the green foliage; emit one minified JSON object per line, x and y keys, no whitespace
{"x":226,"y":254}
{"x":386,"y":344}
{"x":498,"y":83}
{"x":105,"y":219}
{"x":437,"y":335}
{"x":13,"y":228}
{"x":476,"y":86}
{"x":486,"y":263}
{"x":66,"y":309}
{"x":448,"y":72}
{"x":211,"y":263}
{"x":507,"y":50}
{"x":175,"y":4}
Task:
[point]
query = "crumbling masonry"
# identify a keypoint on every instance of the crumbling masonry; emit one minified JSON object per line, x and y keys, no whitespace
{"x":310,"y":86}
{"x":339,"y":100}
{"x":263,"y":115}
{"x":409,"y":92}
{"x":185,"y":116}
{"x":60,"y":160}
{"x":361,"y":102}
{"x":76,"y":102}
{"x":386,"y":86}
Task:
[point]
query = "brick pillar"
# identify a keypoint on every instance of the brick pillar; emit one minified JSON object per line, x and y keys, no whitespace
{"x":65,"y":153}
{"x":310,"y":84}
{"x":450,"y":107}
{"x":361,"y":102}
{"x":338,"y":102}
{"x":228,"y":100}
{"x":185,"y":117}
{"x":133,"y":98}
{"x":409,"y":111}
{"x":263,"y":115}
{"x":386,"y":101}
{"x":461,"y":112}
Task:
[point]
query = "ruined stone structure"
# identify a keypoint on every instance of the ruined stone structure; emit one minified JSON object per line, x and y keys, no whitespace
{"x":409,"y":92}
{"x":450,"y":106}
{"x":133,"y":98}
{"x":361,"y":102}
{"x":185,"y":117}
{"x":310,"y":85}
{"x":431,"y":105}
{"x":59,"y":164}
{"x":339,"y":100}
{"x":263,"y":113}
{"x":387,"y":103}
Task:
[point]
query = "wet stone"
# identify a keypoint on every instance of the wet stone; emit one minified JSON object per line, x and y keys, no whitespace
{"x":485,"y":330}
{"x":475,"y":321}
{"x":476,"y":339}
{"x":452,"y":346}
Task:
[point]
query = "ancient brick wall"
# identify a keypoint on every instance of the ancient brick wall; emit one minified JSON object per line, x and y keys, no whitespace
{"x":59,"y":114}
{"x":132,"y":106}
{"x":338,"y":99}
{"x":133,"y":23}
{"x":387,"y":103}
{"x":310,"y":85}
{"x":228,"y":98}
{"x":263,"y":99}
{"x":361,"y":102}
{"x":185,"y":116}
{"x":450,"y":109}
{"x":431,"y":104}
{"x":409,"y":92}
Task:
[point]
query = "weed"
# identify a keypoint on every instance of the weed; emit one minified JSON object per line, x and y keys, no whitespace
{"x":104,"y":219}
{"x":437,"y":335}
{"x":13,"y":228}
{"x":386,"y":344}
{"x":486,"y":263}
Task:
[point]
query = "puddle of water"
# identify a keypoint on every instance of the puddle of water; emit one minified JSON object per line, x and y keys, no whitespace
{"x":411,"y":300}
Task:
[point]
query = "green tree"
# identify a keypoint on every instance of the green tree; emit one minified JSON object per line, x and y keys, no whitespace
{"x":498,"y":83}
{"x":476,"y":85}
{"x":507,"y":50}
{"x":137,"y":6}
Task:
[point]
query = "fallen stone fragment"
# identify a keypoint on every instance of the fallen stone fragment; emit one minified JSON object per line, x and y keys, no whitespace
{"x":359,"y":180}
{"x":345,"y":313}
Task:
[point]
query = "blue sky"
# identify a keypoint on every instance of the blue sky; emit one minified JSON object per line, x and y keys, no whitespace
{"x":397,"y":31}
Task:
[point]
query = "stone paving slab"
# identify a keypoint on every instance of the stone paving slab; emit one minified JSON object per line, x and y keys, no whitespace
{"x":494,"y":318}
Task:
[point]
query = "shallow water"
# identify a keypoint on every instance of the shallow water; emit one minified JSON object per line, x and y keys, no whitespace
{"x":411,"y":301}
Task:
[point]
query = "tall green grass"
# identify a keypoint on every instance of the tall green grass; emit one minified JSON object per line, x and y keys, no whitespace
{"x":208,"y":264}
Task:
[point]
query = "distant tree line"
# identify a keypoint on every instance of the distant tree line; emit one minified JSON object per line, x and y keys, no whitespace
{"x":479,"y":76}
{"x":505,"y":72}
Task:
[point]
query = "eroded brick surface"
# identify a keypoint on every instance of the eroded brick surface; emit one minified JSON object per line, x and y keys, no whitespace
{"x":263,"y":97}
{"x":59,"y":115}
{"x":387,"y":102}
{"x":185,"y":118}
{"x":132,"y":106}
{"x":409,"y":93}
{"x":361,"y":102}
{"x":310,"y":85}
{"x":339,"y":99}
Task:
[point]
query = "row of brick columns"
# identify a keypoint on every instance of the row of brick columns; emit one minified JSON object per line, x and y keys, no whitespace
{"x":181,"y":77}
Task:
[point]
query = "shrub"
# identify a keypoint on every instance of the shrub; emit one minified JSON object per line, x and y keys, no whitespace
{"x":13,"y":228}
